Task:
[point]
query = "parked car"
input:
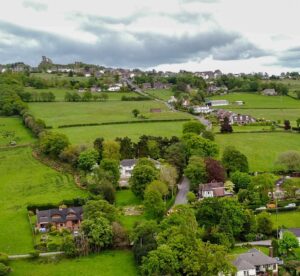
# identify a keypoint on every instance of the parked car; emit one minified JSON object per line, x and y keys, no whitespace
{"x":261,"y":208}
{"x":291,"y":205}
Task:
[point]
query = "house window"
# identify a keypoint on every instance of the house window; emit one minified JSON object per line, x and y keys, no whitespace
{"x":246,"y":273}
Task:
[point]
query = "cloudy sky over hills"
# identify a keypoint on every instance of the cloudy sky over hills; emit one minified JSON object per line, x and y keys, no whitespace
{"x":231,"y":35}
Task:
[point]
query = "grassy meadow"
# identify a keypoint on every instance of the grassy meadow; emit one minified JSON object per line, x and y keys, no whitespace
{"x":24,"y":180}
{"x":107,"y":263}
{"x":14,"y":124}
{"x":61,"y":113}
{"x":261,"y":149}
{"x":289,"y":219}
{"x":163,"y":94}
{"x":87,"y":134}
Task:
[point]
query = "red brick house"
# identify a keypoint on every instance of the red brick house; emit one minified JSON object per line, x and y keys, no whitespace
{"x":61,"y":218}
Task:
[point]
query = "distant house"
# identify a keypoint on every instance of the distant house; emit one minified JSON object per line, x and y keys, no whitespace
{"x":147,"y":85}
{"x":95,"y":89}
{"x":295,"y":231}
{"x":185,"y":103}
{"x":201,"y":109}
{"x":217,"y":102}
{"x":269,"y":92}
{"x":61,"y":218}
{"x":126,"y":168}
{"x":211,"y":89}
{"x":172,"y":100}
{"x":254,"y":262}
{"x":241,"y":119}
{"x":213,"y":189}
{"x":114,"y":88}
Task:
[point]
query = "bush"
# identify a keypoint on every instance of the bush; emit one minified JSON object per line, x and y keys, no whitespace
{"x":4,"y":258}
{"x":34,"y":254}
{"x":4,"y":270}
{"x":52,"y":246}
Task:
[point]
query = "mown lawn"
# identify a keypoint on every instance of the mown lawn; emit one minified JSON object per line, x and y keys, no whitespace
{"x":163,"y":94}
{"x":254,"y":100}
{"x":61,"y":113}
{"x":86,"y":135}
{"x":107,"y":263}
{"x":261,"y":149}
{"x":289,"y":219}
{"x":14,"y":124}
{"x":125,"y":197}
{"x":24,"y":180}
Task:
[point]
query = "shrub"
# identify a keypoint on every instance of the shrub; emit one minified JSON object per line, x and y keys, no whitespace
{"x":3,"y":258}
{"x":52,"y":246}
{"x":34,"y":254}
{"x":4,"y":270}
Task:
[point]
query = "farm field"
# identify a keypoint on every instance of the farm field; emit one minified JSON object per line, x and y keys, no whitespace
{"x":261,"y":149}
{"x":87,"y":134}
{"x":271,"y":114}
{"x":289,"y":219}
{"x":253,"y":101}
{"x":107,"y":263}
{"x":163,"y":94}
{"x":21,"y":134}
{"x":61,"y":113}
{"x":24,"y":180}
{"x":60,"y":93}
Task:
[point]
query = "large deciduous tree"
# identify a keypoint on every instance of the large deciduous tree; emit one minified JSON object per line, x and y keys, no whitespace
{"x":233,"y":160}
{"x":196,"y":172}
{"x":111,"y":150}
{"x":215,"y":170}
{"x":53,"y":143}
{"x":288,"y":161}
{"x":193,"y":127}
{"x":87,"y":159}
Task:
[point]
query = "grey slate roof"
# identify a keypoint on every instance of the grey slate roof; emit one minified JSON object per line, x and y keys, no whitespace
{"x":128,"y":162}
{"x":295,"y":231}
{"x":251,"y":259}
{"x":72,"y":213}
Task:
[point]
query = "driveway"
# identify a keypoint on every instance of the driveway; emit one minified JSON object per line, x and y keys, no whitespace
{"x":258,"y":243}
{"x":183,"y":189}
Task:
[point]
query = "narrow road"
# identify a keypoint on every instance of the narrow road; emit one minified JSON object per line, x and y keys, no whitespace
{"x":205,"y":122}
{"x":26,"y":256}
{"x":183,"y":189}
{"x":258,"y":243}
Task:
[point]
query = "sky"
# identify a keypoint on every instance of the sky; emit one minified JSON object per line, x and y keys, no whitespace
{"x":195,"y":35}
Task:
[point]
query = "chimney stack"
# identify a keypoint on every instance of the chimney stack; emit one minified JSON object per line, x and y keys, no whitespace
{"x":271,"y":252}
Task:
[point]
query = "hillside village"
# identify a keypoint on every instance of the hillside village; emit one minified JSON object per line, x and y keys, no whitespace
{"x":143,"y":195}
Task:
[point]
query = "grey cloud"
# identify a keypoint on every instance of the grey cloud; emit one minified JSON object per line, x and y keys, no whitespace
{"x":240,"y":48}
{"x":35,"y":5}
{"x":289,"y":58}
{"x":128,"y":49}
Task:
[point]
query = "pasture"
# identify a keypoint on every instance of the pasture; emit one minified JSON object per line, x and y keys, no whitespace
{"x":87,"y":134}
{"x":62,"y":113}
{"x":254,"y":101}
{"x":24,"y":180}
{"x":107,"y":263}
{"x":289,"y":219}
{"x":18,"y":132}
{"x":163,"y":94}
{"x":261,"y":149}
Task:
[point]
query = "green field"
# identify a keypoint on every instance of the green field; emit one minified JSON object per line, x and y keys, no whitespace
{"x":125,"y":197}
{"x":24,"y":180}
{"x":108,"y":263}
{"x":14,"y":124}
{"x":163,"y":94}
{"x":261,"y":149}
{"x":253,"y":101}
{"x":287,"y":219}
{"x":87,"y":135}
{"x":60,"y":113}
{"x":60,"y":93}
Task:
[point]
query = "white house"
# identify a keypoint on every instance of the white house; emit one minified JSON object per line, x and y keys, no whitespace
{"x":114,"y":88}
{"x":217,"y":102}
{"x":202,"y":109}
{"x":254,"y":262}
{"x":295,"y":231}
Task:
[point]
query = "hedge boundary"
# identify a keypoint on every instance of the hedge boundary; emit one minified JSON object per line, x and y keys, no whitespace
{"x":124,"y":123}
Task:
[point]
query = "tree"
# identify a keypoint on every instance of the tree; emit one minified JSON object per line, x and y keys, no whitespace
{"x":71,"y":154}
{"x":287,"y":125}
{"x":233,"y":160}
{"x":176,"y":156}
{"x":53,"y":143}
{"x":215,"y":170}
{"x":241,"y":180}
{"x":298,"y":120}
{"x":291,"y":186}
{"x":153,"y":204}
{"x":100,"y":208}
{"x":208,"y":135}
{"x":264,"y":223}
{"x":105,"y":188}
{"x":120,"y":236}
{"x":288,"y":161}
{"x":126,"y":148}
{"x":158,"y":186}
{"x":135,"y":112}
{"x":287,"y":244}
{"x":161,"y":261}
{"x":193,"y":127}
{"x":111,"y":150}
{"x":229,"y":186}
{"x":98,"y":146}
{"x":144,"y":239}
{"x":69,"y":248}
{"x":4,"y":270}
{"x":196,"y":172}
{"x":153,"y":149}
{"x":111,"y":167}
{"x":191,"y":197}
{"x":98,"y":232}
{"x":225,"y":126}
{"x":199,"y":146}
{"x":87,"y":159}
{"x":168,"y":174}
{"x":141,"y":176}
